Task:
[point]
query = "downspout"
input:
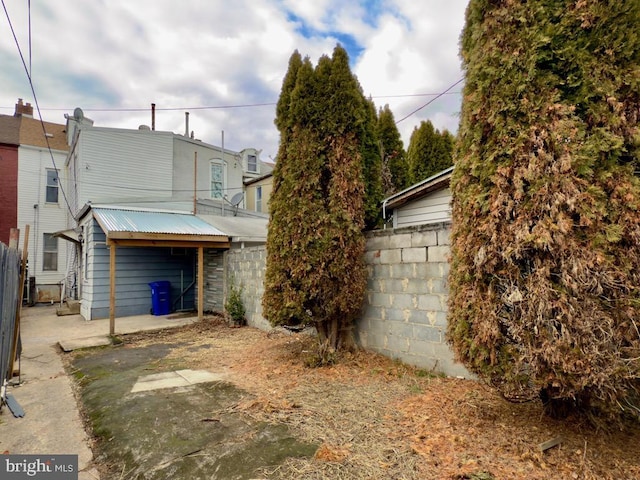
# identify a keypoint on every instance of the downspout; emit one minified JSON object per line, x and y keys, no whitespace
{"x":384,"y":213}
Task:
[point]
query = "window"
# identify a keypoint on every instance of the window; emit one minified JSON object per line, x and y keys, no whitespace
{"x":217,"y":180}
{"x":258,"y":199}
{"x":252,"y":163}
{"x":50,"y":253}
{"x":52,"y":186}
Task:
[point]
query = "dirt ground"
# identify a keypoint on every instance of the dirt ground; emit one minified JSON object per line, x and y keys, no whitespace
{"x":372,"y":417}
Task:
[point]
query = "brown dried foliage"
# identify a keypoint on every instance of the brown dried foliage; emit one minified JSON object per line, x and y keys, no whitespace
{"x":546,"y":238}
{"x":373,"y":417}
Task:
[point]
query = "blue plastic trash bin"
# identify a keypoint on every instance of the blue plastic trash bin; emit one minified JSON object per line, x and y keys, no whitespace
{"x":160,"y":297}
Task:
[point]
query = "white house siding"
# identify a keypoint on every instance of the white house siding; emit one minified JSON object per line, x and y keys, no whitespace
{"x":42,"y":217}
{"x":432,"y":208}
{"x":136,"y":267}
{"x":114,"y":165}
{"x":184,"y":150}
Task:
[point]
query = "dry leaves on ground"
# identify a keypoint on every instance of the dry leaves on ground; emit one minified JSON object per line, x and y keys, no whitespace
{"x":373,"y":417}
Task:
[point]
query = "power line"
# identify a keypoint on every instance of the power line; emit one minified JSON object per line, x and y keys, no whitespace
{"x":221,"y":107}
{"x":35,"y":100}
{"x":430,"y":101}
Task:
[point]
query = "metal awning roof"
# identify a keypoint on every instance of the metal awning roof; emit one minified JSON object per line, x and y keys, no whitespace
{"x":130,"y":227}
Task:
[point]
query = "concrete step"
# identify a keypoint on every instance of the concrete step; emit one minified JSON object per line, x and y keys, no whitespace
{"x":71,"y":307}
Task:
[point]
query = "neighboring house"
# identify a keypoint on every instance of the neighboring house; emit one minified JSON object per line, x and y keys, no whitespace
{"x":9,"y":143}
{"x":144,"y":166}
{"x":31,"y":194}
{"x":428,"y":201}
{"x":149,"y":183}
{"x":258,"y":193}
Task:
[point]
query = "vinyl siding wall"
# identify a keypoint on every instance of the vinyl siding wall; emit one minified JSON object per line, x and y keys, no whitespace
{"x":184,"y":150}
{"x":115,"y":165}
{"x":42,"y":217}
{"x":432,"y":208}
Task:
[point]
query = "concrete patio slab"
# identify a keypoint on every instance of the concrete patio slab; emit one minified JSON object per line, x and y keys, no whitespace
{"x":179,"y":378}
{"x":52,"y":423}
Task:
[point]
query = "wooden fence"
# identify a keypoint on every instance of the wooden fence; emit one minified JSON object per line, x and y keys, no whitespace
{"x":9,"y":298}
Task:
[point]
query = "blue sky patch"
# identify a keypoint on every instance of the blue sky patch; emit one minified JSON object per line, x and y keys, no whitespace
{"x":91,"y":87}
{"x":349,"y":42}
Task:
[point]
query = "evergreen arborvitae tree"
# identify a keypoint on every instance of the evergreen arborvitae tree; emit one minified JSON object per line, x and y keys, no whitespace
{"x":394,"y":162}
{"x":372,"y":167}
{"x":429,"y":151}
{"x":545,"y":275}
{"x":315,"y":246}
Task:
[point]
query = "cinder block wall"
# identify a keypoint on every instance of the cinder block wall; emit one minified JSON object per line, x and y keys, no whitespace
{"x":245,"y":267}
{"x":405,"y":311}
{"x":404,"y":315}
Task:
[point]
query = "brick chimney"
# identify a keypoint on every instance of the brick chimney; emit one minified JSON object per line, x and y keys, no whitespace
{"x":23,"y":110}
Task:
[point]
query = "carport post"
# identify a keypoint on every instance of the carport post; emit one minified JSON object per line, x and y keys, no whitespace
{"x":112,"y":289}
{"x":200,"y":283}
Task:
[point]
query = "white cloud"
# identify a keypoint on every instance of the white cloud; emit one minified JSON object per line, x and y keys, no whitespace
{"x":123,"y":54}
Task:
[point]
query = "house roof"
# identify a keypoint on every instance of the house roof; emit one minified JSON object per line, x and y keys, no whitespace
{"x":9,"y":130}
{"x":31,"y":134}
{"x":257,"y":179}
{"x":436,"y":182}
{"x":131,"y":227}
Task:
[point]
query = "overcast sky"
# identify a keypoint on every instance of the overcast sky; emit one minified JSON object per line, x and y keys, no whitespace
{"x":191,"y":55}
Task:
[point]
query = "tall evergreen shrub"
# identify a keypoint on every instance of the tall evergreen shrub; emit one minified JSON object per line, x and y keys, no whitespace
{"x":545,"y":275}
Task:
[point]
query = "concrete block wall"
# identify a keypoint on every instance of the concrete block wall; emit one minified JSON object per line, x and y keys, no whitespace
{"x":405,"y":310}
{"x":246,"y":267}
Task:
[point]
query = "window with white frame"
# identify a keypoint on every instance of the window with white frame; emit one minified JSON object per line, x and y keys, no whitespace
{"x":49,"y":253}
{"x":217,"y":180}
{"x":252,"y":163}
{"x":52,"y":186}
{"x":258,"y":199}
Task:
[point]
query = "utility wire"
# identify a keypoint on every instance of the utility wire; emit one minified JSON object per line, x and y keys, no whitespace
{"x":430,"y":101}
{"x":218,"y":107}
{"x":35,"y":100}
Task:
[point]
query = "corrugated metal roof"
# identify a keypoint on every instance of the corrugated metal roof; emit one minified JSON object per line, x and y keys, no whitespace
{"x":240,"y":229}
{"x":121,"y":220}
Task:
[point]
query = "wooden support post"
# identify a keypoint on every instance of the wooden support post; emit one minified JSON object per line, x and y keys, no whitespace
{"x":112,"y":289}
{"x":200,"y":283}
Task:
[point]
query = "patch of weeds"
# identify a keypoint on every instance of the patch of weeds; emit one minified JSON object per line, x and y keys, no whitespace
{"x":322,"y":355}
{"x":424,"y":373}
{"x":115,"y":340}
{"x":234,"y":306}
{"x":415,"y":390}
